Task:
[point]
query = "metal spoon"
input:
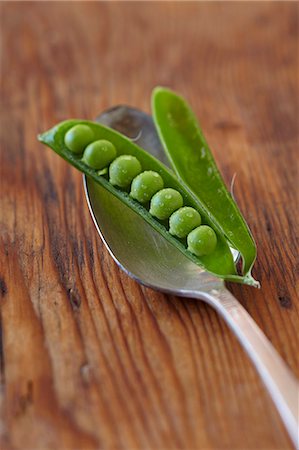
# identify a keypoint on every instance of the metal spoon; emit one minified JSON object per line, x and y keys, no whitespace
{"x":152,"y":261}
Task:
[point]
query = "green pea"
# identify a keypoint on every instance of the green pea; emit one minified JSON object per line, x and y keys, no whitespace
{"x":145,"y":185}
{"x":78,"y":137}
{"x":123,"y":169}
{"x":99,"y":154}
{"x":202,"y":241}
{"x":183,"y":221}
{"x":165,"y":202}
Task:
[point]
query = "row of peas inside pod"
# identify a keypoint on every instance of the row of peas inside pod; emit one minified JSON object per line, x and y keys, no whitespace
{"x":146,"y":187}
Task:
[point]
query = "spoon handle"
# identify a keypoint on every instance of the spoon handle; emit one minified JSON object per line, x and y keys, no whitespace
{"x":280,"y":382}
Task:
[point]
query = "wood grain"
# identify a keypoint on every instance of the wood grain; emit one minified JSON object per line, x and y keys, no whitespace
{"x":91,"y":360}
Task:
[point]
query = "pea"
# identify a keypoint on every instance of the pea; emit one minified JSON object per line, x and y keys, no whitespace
{"x":183,"y":221}
{"x":202,"y":241}
{"x":165,"y":202}
{"x":99,"y":154}
{"x":145,"y":185}
{"x":78,"y":137}
{"x":123,"y":169}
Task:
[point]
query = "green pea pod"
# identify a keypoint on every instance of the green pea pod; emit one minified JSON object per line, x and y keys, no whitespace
{"x":219,"y":263}
{"x":191,"y":158}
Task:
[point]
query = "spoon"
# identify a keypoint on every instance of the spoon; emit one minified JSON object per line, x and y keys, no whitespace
{"x":150,"y":259}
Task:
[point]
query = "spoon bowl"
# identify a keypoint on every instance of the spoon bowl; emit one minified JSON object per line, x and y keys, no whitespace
{"x":135,"y":246}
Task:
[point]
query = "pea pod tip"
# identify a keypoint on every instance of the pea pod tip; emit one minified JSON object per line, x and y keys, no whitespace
{"x":160,"y":90}
{"x":42,"y":137}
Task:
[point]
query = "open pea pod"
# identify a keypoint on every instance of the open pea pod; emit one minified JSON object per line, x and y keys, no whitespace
{"x":193,"y":162}
{"x":219,"y":263}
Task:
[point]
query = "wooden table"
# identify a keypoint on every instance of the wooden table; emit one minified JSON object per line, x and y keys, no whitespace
{"x":90,"y":359}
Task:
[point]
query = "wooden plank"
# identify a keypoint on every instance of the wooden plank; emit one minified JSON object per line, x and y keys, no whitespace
{"x":89,"y":358}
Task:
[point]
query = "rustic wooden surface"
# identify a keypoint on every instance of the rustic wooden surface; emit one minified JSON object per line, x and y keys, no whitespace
{"x":91,"y":360}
